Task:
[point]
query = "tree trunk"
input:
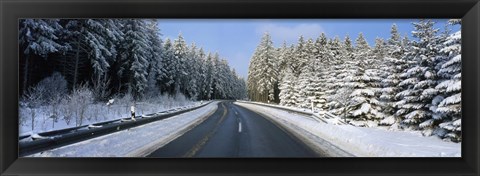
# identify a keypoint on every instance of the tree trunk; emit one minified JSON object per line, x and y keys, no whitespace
{"x":33,"y":118}
{"x":77,"y":57}
{"x":25,"y":74}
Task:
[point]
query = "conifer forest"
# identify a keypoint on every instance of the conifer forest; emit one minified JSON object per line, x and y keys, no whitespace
{"x":406,"y":83}
{"x":74,"y":72}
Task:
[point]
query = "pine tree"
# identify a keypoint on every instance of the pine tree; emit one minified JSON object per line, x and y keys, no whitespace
{"x":420,"y":79}
{"x":322,"y":67}
{"x":180,"y":50}
{"x":394,"y":64}
{"x":210,"y":74}
{"x":218,"y":74}
{"x":241,"y":88}
{"x":263,"y":73}
{"x":38,"y":37}
{"x":307,"y":76}
{"x":284,"y":55}
{"x":338,"y":54}
{"x":92,"y":39}
{"x":193,"y":66}
{"x":303,"y":89}
{"x":155,"y":71}
{"x":203,"y":68}
{"x":450,"y":86}
{"x":301,"y":56}
{"x":379,"y":50}
{"x":285,"y":76}
{"x":252,"y":78}
{"x":135,"y":56}
{"x":287,"y":89}
{"x":364,"y":79}
{"x":170,"y":65}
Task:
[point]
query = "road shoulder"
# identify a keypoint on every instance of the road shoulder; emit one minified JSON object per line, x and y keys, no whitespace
{"x":134,"y":142}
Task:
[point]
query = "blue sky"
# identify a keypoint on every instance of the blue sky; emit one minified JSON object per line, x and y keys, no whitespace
{"x":236,"y":39}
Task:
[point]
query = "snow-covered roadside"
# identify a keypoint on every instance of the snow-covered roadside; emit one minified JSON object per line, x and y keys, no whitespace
{"x":300,"y":110}
{"x":361,"y":141}
{"x":134,"y":142}
{"x":95,"y":113}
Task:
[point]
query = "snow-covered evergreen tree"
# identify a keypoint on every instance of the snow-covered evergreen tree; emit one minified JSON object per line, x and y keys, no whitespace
{"x":38,"y":37}
{"x":287,"y":89}
{"x":420,"y":79}
{"x":135,"y":56}
{"x":450,"y":86}
{"x":379,"y":50}
{"x":218,"y":77}
{"x":193,"y":72}
{"x":338,"y":55}
{"x":94,"y":39}
{"x":170,"y":65}
{"x":364,"y":80}
{"x":394,"y":64}
{"x":155,"y":71}
{"x":210,"y":71}
{"x":301,"y":56}
{"x":263,"y":72}
{"x":180,"y":50}
{"x":321,"y":65}
{"x":202,"y":71}
{"x":307,"y":77}
{"x":284,"y":55}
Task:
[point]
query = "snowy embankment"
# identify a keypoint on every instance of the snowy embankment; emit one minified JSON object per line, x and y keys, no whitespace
{"x":135,"y":142}
{"x":93,"y":113}
{"x":360,"y":141}
{"x":299,"y":110}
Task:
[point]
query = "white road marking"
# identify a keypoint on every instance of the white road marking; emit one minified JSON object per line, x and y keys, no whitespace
{"x":239,"y":127}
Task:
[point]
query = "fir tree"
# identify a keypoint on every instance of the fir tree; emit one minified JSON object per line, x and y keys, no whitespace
{"x":180,"y":50}
{"x":364,"y":82}
{"x":264,"y":73}
{"x":286,"y":89}
{"x":38,"y":37}
{"x":155,"y":71}
{"x":394,"y":64}
{"x":420,"y":79}
{"x":170,"y":65}
{"x":450,"y":86}
{"x":94,"y":39}
{"x":135,"y":56}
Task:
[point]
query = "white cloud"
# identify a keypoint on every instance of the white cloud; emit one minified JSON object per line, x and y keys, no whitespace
{"x":290,"y":34}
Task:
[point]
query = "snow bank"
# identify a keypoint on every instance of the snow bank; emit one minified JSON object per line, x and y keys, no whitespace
{"x":98,"y":112}
{"x":361,"y":141}
{"x":134,"y":142}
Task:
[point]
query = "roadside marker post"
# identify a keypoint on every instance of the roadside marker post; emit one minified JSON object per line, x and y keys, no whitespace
{"x":132,"y":110}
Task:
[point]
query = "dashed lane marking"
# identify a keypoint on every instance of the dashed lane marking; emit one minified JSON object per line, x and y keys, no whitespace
{"x":239,"y":127}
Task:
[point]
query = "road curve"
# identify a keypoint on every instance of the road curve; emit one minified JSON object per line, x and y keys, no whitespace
{"x":234,"y":131}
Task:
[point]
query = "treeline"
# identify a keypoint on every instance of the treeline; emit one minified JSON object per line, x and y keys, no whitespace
{"x":121,"y":56}
{"x":409,"y":84}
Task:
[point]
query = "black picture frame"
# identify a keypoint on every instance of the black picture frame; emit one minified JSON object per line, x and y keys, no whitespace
{"x":12,"y":10}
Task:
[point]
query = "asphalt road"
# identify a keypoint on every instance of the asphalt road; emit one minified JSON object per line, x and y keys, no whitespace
{"x":233,"y":131}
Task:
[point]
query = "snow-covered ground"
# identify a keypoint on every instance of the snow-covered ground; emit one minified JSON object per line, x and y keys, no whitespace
{"x":98,"y":112}
{"x":134,"y":142}
{"x":283,"y":107}
{"x":362,"y":141}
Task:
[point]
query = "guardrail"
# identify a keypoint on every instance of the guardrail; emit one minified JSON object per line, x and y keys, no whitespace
{"x":321,"y":116}
{"x":327,"y":116}
{"x":305,"y":112}
{"x":58,"y":138}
